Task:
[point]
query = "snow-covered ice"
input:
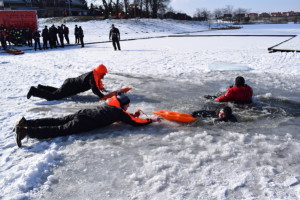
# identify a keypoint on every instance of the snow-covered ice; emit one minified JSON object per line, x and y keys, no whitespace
{"x":257,"y":158}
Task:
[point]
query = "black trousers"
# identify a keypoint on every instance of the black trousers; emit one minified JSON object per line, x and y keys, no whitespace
{"x":37,"y":42}
{"x":45,"y":43}
{"x":53,"y":93}
{"x":61,"y":39}
{"x":67,"y":38}
{"x":29,"y":41}
{"x":76,"y":39}
{"x":116,"y":43}
{"x":55,"y":127}
{"x":81,"y":41}
{"x":3,"y":44}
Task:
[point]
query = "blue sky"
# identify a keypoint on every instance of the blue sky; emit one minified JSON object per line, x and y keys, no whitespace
{"x":190,"y":6}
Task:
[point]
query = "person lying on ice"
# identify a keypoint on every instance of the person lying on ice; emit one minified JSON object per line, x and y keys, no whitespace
{"x":84,"y":120}
{"x":223,"y":115}
{"x":72,"y":86}
{"x":240,"y":93}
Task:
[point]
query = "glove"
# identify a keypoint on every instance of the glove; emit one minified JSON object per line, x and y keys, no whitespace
{"x":156,"y":119}
{"x":209,"y":97}
{"x":137,"y":113}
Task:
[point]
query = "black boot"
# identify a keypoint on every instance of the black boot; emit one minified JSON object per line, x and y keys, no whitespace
{"x":41,"y":94}
{"x":21,"y":133}
{"x":29,"y":94}
{"x":21,"y":123}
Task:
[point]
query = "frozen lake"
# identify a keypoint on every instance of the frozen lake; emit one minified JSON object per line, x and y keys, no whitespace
{"x":176,"y":161}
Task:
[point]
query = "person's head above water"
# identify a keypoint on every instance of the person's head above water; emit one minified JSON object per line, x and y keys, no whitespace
{"x":225,"y":112}
{"x":239,"y":81}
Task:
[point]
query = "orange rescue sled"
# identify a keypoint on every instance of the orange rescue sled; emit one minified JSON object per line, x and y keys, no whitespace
{"x":175,"y":116}
{"x":109,"y":95}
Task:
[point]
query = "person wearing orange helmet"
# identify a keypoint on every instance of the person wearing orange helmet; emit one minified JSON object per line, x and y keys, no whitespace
{"x":72,"y":86}
{"x":114,"y":110}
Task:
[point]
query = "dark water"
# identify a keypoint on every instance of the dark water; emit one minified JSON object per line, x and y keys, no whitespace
{"x":171,"y":94}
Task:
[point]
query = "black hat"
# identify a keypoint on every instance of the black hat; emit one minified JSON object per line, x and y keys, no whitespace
{"x":123,"y":99}
{"x":239,"y":81}
{"x":227,"y":110}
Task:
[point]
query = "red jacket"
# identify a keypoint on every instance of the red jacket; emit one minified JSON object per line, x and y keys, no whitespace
{"x":241,"y":94}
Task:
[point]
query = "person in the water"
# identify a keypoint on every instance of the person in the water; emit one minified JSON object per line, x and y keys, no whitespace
{"x":223,"y":115}
{"x":239,"y":93}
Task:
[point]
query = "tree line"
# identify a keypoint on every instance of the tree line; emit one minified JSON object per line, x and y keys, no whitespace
{"x":152,"y":8}
{"x":228,"y":11}
{"x":126,"y":8}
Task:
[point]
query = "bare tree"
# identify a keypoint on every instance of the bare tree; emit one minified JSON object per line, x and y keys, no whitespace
{"x":154,"y":7}
{"x":218,"y":13}
{"x":241,"y":11}
{"x":162,"y":5}
{"x":157,"y":5}
{"x":147,"y":5}
{"x":202,"y":14}
{"x":240,"y":14}
{"x":126,"y":2}
{"x":228,"y":9}
{"x":106,"y":12}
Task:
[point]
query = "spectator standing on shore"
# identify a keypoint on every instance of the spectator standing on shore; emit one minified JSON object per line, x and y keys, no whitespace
{"x":45,"y":35}
{"x":52,"y":37}
{"x":60,"y":32}
{"x":114,"y":35}
{"x":76,"y":35}
{"x":81,"y":35}
{"x":36,"y":37}
{"x":66,"y":33}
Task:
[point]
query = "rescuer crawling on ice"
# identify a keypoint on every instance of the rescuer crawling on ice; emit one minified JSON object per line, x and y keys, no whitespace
{"x":72,"y":86}
{"x":84,"y":120}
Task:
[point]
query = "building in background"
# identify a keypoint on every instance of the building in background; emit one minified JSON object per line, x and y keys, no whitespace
{"x":47,"y":8}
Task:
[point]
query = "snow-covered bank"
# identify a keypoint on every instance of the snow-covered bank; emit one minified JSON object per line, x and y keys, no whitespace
{"x":96,"y":31}
{"x":255,"y":159}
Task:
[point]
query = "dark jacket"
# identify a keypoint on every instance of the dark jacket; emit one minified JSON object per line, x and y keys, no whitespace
{"x":114,"y":33}
{"x":80,"y":33}
{"x":82,"y":83}
{"x":36,"y":35}
{"x":106,"y":115}
{"x":45,"y":34}
{"x":213,"y":114}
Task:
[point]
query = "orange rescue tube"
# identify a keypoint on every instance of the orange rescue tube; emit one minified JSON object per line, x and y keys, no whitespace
{"x":114,"y":93}
{"x":175,"y":116}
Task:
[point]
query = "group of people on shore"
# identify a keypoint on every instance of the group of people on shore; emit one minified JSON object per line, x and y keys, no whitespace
{"x":115,"y":108}
{"x":52,"y":37}
{"x":15,"y":36}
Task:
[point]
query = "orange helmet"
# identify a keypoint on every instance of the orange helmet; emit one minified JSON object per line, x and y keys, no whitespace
{"x":101,"y":69}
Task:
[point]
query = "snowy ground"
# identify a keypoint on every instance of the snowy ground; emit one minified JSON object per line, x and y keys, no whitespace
{"x":257,"y":158}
